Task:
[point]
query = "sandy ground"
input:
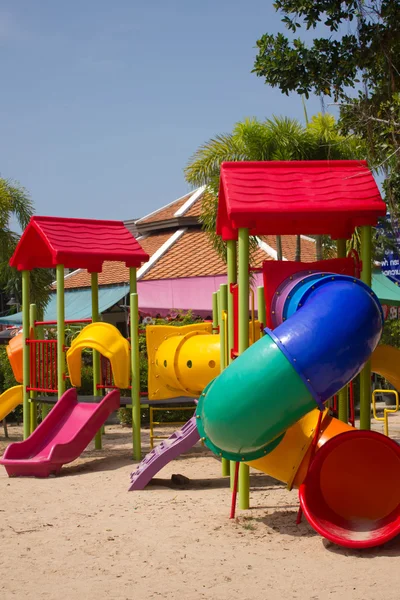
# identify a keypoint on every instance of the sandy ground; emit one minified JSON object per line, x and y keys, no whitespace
{"x":81,"y":535}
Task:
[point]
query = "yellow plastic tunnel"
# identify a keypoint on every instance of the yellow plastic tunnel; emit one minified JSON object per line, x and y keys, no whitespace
{"x":182,"y":360}
{"x":106,"y":339}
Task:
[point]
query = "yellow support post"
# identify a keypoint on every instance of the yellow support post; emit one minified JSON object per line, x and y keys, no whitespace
{"x":386,"y":411}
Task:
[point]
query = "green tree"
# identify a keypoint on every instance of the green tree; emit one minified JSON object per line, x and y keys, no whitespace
{"x":354,"y":59}
{"x":16,"y":203}
{"x":279,"y":138}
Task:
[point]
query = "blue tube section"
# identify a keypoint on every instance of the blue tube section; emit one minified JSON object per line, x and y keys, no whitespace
{"x":333,"y":325}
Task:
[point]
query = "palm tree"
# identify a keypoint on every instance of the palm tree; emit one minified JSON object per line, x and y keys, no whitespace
{"x":15,"y":203}
{"x":279,"y":138}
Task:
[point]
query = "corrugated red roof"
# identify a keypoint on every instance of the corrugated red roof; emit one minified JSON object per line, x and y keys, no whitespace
{"x":293,"y":197}
{"x":76,"y":243}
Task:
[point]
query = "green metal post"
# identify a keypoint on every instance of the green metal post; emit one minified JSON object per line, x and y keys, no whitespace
{"x":60,"y":331}
{"x":365,"y":375}
{"x":223,"y":327}
{"x":343,"y":398}
{"x":244,"y":289}
{"x":262,"y":317}
{"x":232,"y":278}
{"x":215,"y":311}
{"x":231,"y":256}
{"x":25,"y":335}
{"x":94,"y":283}
{"x":33,"y":395}
{"x":341,"y":250}
{"x":135,"y":364}
{"x":223,"y":332}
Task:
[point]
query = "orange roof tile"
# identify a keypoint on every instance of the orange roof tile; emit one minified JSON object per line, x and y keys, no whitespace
{"x":167,"y":212}
{"x":289,"y":247}
{"x":116,"y":272}
{"x":195,"y":209}
{"x":193,"y":256}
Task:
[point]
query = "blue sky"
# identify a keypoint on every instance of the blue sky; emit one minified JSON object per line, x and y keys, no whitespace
{"x":102,"y":103}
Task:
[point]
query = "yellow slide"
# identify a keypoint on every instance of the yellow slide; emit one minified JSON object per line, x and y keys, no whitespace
{"x":10,"y":400}
{"x":107,"y":340}
{"x":385,"y":361}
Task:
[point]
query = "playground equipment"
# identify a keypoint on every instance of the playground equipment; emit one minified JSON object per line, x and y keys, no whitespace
{"x":40,"y":365}
{"x":9,"y":400}
{"x":61,"y":437}
{"x":386,"y":411}
{"x":267,"y":406}
{"x":323,"y":325}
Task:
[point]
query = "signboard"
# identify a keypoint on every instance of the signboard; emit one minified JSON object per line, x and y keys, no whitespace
{"x":390,"y":265}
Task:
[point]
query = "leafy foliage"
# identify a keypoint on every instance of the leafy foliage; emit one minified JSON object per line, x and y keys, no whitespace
{"x":360,"y":69}
{"x":279,"y":138}
{"x":15,"y":202}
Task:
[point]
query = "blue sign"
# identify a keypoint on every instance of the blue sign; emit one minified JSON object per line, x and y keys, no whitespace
{"x":390,"y":265}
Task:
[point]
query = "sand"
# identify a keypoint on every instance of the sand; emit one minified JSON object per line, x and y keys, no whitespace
{"x":82,"y":535}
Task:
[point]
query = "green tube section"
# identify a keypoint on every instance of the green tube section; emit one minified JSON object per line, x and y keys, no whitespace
{"x":251,"y":421}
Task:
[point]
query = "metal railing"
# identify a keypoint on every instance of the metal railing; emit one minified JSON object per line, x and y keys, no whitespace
{"x":386,"y":411}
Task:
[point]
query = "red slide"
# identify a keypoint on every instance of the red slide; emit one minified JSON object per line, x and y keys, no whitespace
{"x":61,"y":437}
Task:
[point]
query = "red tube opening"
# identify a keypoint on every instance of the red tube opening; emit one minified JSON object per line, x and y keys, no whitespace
{"x":351,"y":494}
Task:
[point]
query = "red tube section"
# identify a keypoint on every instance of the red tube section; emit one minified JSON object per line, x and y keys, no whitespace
{"x":351,"y":494}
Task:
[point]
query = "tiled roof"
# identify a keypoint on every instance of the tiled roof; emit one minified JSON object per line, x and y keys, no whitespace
{"x":289,"y":246}
{"x":167,"y":212}
{"x":116,"y":272}
{"x":190,"y":255}
{"x":195,"y":209}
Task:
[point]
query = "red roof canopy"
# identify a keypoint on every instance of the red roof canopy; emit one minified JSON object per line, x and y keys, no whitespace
{"x":76,"y":243}
{"x":297,"y":197}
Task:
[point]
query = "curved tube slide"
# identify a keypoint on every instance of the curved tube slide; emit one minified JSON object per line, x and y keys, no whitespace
{"x":351,"y":494}
{"x":263,"y":410}
{"x":332,"y":325}
{"x":107,"y":340}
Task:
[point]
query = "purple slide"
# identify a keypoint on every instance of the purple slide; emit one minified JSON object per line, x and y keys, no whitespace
{"x":61,"y":437}
{"x":179,"y":442}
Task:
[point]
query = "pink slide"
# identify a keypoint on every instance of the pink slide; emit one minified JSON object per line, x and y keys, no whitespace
{"x":61,"y":437}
